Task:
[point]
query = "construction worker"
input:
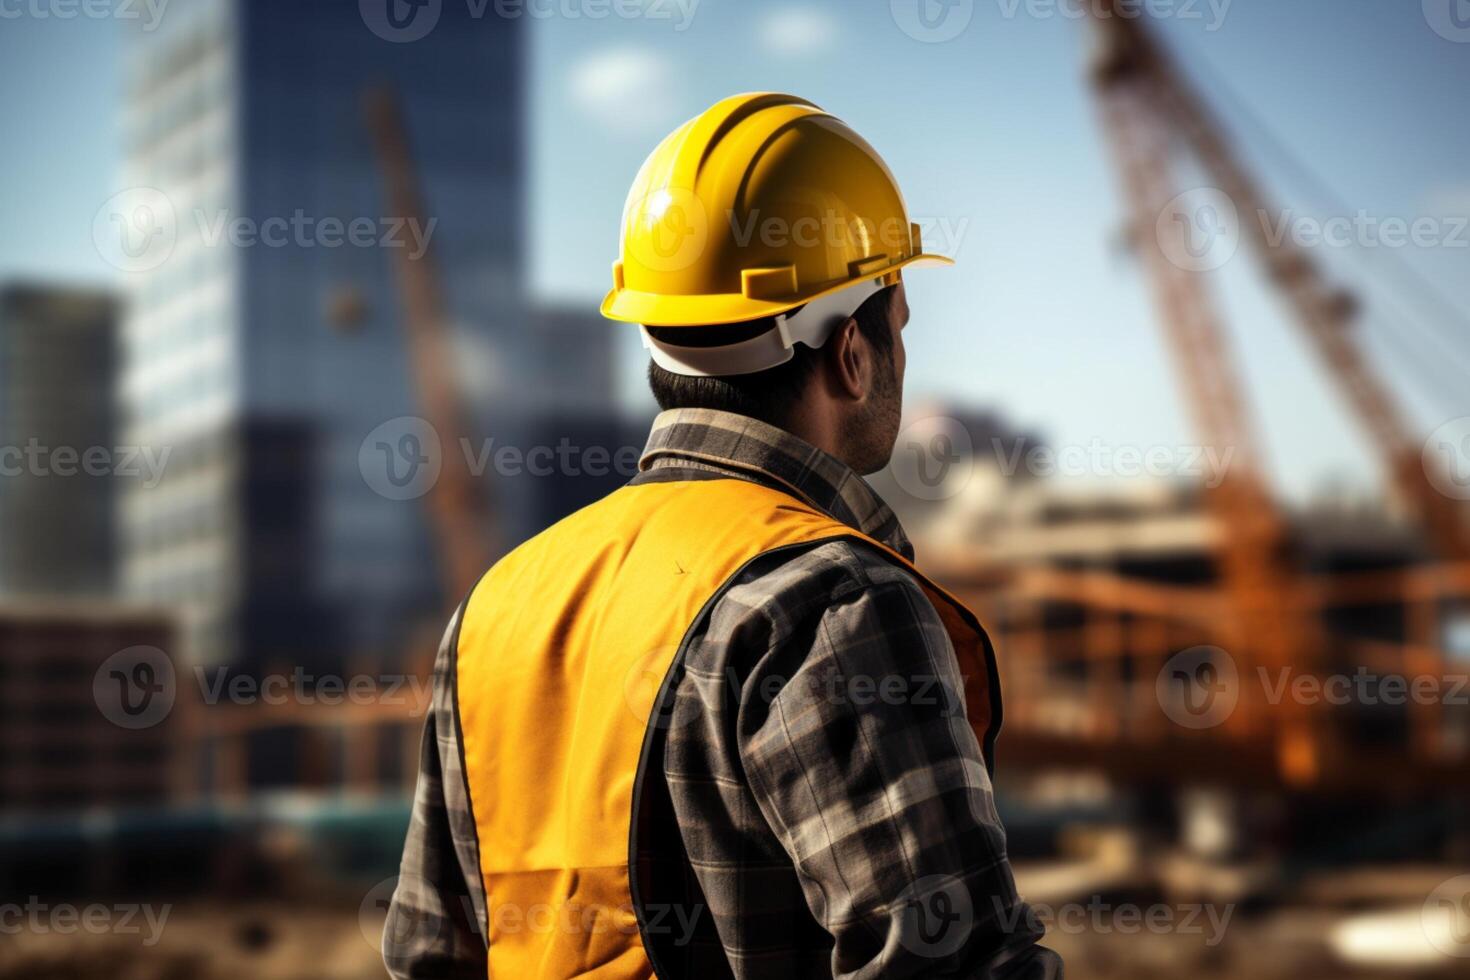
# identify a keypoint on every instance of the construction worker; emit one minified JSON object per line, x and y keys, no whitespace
{"x":717,"y":724}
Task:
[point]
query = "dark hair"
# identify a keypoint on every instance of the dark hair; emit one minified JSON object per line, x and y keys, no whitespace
{"x":769,"y":395}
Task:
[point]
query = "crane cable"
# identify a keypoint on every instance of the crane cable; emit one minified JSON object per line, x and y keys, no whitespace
{"x":1414,"y":283}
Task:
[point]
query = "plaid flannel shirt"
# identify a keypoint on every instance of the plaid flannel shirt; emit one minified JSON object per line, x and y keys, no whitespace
{"x":824,"y":798}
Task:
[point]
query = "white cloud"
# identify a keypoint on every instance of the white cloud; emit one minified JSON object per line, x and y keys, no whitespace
{"x":798,"y":30}
{"x":624,"y":89}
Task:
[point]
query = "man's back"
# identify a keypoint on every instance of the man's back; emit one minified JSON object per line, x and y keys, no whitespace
{"x":561,"y":649}
{"x":742,"y":686}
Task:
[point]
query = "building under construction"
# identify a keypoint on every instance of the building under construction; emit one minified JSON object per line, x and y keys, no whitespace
{"x":1177,"y":636}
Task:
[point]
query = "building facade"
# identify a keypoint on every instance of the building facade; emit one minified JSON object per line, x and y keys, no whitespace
{"x":77,"y":730}
{"x":59,"y":459}
{"x":264,"y":340}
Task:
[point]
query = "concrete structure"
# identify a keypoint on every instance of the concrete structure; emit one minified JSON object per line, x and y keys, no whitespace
{"x":73,"y":734}
{"x":60,"y":464}
{"x":1116,"y":640}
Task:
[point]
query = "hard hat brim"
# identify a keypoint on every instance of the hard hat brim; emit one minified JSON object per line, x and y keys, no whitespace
{"x":660,"y":310}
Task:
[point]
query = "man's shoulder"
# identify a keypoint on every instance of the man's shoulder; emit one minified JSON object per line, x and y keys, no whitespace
{"x":792,"y":587}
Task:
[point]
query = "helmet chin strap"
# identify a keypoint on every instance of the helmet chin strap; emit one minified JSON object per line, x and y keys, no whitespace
{"x":811,"y":324}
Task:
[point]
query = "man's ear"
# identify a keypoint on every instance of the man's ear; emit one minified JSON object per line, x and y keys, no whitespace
{"x":849,"y":361}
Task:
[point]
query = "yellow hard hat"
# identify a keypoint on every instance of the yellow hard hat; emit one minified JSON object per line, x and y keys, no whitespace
{"x":757,"y":206}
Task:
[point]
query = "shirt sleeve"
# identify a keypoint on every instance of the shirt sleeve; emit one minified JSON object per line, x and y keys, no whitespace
{"x":865,"y":767}
{"x":433,"y":924}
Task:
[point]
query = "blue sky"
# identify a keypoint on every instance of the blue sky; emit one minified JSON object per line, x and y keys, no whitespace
{"x":992,"y":131}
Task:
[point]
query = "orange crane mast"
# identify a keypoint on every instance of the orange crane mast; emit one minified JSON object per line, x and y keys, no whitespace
{"x":1133,"y":67}
{"x":1149,"y":113}
{"x":459,"y":508}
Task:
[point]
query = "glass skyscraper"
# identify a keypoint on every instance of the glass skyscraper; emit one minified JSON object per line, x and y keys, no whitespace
{"x":263,"y":340}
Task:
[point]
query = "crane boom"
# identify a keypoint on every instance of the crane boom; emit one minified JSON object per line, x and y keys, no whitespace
{"x":1325,"y":312}
{"x":1255,"y":567}
{"x":459,"y":509}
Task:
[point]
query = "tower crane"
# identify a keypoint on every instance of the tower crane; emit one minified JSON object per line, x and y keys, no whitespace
{"x":1150,"y":111}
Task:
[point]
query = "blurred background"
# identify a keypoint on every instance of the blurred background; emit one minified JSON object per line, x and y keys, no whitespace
{"x":298,"y":330}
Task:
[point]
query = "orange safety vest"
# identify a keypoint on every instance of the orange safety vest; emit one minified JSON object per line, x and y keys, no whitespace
{"x":561,"y":648}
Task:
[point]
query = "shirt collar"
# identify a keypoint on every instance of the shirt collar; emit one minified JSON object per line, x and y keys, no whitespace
{"x":748,"y":448}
